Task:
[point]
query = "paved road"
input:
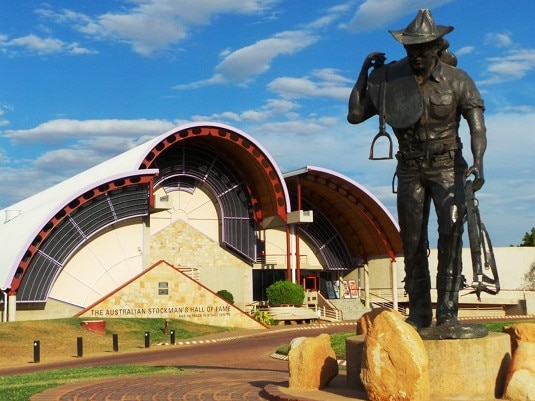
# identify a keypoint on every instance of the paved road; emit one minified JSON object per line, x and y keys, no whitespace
{"x":249,"y":349}
{"x":227,"y":368}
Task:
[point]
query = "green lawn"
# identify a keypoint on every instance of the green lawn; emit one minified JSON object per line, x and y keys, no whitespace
{"x":22,"y":387}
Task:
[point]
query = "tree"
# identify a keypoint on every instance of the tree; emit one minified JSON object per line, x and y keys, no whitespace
{"x":529,"y":238}
{"x":528,"y":282}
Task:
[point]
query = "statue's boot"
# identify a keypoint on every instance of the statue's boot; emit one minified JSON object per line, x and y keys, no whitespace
{"x":420,"y":308}
{"x":448,"y":300}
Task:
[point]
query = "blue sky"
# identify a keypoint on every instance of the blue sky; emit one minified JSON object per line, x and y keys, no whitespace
{"x":83,"y":81}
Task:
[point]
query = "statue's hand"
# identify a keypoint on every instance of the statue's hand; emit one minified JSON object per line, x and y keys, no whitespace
{"x":375,"y":60}
{"x":477,"y":171}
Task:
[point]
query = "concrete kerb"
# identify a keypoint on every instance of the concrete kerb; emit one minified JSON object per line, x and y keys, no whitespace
{"x":249,"y":333}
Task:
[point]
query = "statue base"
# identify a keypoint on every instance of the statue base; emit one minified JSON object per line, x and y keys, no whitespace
{"x":466,"y":369}
{"x":453,"y":332}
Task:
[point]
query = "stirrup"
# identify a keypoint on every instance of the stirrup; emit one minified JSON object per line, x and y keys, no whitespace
{"x":390,"y":146}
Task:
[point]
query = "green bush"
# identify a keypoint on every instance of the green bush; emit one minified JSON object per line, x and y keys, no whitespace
{"x":285,"y":293}
{"x":264,"y":317}
{"x":226,"y":295}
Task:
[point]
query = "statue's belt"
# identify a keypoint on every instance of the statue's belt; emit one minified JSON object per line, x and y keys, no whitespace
{"x":427,"y":150}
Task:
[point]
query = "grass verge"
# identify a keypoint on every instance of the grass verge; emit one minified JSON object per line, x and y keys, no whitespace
{"x":58,"y":337}
{"x":22,"y":387}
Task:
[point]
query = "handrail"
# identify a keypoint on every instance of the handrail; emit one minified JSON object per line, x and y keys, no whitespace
{"x":385,"y":302}
{"x":326,"y":309}
{"x":192,"y":272}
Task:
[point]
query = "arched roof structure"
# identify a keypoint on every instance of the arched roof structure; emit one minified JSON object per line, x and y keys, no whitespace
{"x":40,"y":233}
{"x":363,"y":224}
{"x":255,"y":164}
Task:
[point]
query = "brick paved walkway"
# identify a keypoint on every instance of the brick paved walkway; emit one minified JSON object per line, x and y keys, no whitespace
{"x":208,"y":385}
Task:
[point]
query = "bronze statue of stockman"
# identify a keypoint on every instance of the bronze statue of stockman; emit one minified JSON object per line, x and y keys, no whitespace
{"x":423,"y":97}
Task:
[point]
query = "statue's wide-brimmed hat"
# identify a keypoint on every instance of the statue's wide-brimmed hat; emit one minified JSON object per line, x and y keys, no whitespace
{"x":421,"y":30}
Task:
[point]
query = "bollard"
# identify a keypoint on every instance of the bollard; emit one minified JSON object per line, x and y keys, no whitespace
{"x":172,"y":337}
{"x":147,"y":339}
{"x":36,"y":351}
{"x":115,"y":343}
{"x":79,"y":347}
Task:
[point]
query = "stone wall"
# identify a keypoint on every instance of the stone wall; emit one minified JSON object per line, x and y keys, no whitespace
{"x":163,"y":291}
{"x":185,"y":247}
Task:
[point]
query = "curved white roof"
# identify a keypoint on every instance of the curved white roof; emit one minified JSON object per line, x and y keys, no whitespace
{"x":22,"y":221}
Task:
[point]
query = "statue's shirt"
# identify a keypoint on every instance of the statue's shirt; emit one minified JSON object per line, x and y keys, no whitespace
{"x":427,"y":112}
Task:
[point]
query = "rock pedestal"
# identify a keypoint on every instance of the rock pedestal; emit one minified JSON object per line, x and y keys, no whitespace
{"x":458,"y":369}
{"x":469,"y":368}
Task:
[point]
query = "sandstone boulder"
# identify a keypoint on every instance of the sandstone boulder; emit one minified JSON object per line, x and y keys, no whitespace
{"x":295,"y":342}
{"x":312,"y":363}
{"x":395,"y":365}
{"x":520,"y":380}
{"x":520,"y":332}
{"x":365,"y":322}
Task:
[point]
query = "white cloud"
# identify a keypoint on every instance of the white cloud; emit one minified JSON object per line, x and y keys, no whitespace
{"x":20,"y":183}
{"x":330,"y":15}
{"x":151,"y":26}
{"x":499,"y":39}
{"x":85,"y":144}
{"x":243,"y":64}
{"x":325,"y":83}
{"x":273,"y":109}
{"x":38,"y":45}
{"x":256,"y":59}
{"x":465,"y":50}
{"x":513,"y":65}
{"x":72,"y":161}
{"x":373,"y":14}
{"x":64,"y":129}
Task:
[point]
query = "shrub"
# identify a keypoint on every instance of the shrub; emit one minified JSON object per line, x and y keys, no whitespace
{"x":226,"y":295}
{"x":264,"y":317}
{"x":285,"y":292}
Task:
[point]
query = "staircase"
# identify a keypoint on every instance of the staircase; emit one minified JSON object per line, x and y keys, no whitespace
{"x":352,"y":308}
{"x":336,"y":310}
{"x":326,"y":310}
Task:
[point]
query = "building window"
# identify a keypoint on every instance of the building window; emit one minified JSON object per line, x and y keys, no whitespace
{"x":163,"y":288}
